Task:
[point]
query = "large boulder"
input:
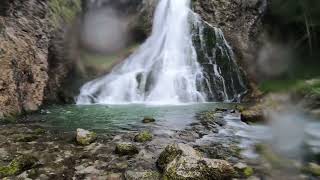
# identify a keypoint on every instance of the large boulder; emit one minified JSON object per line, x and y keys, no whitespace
{"x":181,"y":161}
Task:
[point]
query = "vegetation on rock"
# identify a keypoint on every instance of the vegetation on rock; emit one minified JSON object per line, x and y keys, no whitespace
{"x":85,"y":137}
{"x":124,"y":149}
{"x":180,"y":161}
{"x":143,"y":136}
{"x":18,"y":165}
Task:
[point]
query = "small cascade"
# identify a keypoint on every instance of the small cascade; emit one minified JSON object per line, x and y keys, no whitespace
{"x":185,"y":60}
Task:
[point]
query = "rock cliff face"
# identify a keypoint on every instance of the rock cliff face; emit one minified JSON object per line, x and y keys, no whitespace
{"x":240,"y":21}
{"x":24,"y":37}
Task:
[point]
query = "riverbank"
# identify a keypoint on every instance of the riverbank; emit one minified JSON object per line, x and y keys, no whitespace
{"x":213,"y":135}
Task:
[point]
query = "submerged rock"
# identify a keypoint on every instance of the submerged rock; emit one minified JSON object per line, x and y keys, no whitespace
{"x":181,"y":161}
{"x":148,"y":120}
{"x":85,"y":137}
{"x":126,"y":149}
{"x":143,"y":136}
{"x":146,"y":175}
{"x":18,"y":165}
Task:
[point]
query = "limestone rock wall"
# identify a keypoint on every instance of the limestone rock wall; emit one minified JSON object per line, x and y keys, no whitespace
{"x":24,"y":40}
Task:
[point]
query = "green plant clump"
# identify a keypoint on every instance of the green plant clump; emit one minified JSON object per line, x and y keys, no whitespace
{"x":63,"y":10}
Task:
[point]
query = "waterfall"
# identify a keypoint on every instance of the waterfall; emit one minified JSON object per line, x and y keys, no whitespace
{"x":164,"y":70}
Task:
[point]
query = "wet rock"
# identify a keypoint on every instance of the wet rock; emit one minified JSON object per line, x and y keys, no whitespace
{"x":85,"y":137}
{"x":220,"y":151}
{"x":148,"y":120}
{"x":181,"y":161}
{"x":18,"y":165}
{"x":25,"y":138}
{"x":211,"y":119}
{"x":243,"y":170}
{"x":126,"y":149}
{"x":143,"y":136}
{"x":252,"y":115}
{"x":147,"y":175}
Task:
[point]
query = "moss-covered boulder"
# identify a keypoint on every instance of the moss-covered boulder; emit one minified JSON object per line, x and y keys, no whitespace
{"x":313,"y":169}
{"x":18,"y":165}
{"x":143,"y":136}
{"x":85,"y":137}
{"x":181,"y":161}
{"x":146,"y":175}
{"x":124,"y":149}
{"x":148,"y":119}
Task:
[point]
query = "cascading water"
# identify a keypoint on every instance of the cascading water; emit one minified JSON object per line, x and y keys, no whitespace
{"x":165,"y":69}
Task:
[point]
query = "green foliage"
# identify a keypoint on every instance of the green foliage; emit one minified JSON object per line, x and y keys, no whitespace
{"x":63,"y":10}
{"x":310,"y":87}
{"x":299,"y":19}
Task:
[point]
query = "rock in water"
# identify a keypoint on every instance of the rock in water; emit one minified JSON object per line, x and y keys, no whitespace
{"x":143,"y":136}
{"x":18,"y":165}
{"x":85,"y":137}
{"x":124,"y":149}
{"x":181,"y":161}
{"x":148,"y":120}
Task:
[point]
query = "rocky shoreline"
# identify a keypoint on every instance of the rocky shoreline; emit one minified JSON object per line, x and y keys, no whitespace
{"x":53,"y":154}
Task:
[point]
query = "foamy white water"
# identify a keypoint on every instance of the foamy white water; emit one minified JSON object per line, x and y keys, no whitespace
{"x":163,"y":71}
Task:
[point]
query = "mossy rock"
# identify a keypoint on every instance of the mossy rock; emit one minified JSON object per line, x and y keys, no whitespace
{"x":148,"y":119}
{"x":168,"y":155}
{"x":39,"y":131}
{"x":18,"y":165}
{"x":143,"y":136}
{"x":124,"y":149}
{"x":313,"y":169}
{"x":26,"y":138}
{"x":181,"y":161}
{"x":243,"y":170}
{"x":85,"y":137}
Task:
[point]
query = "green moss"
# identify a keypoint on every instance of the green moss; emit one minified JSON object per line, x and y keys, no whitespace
{"x":18,"y":165}
{"x":277,"y":85}
{"x":63,"y":10}
{"x":168,"y":155}
{"x":310,"y":87}
{"x":86,"y":140}
{"x":25,"y":138}
{"x":126,"y":149}
{"x":39,"y":131}
{"x":143,"y":136}
{"x":248,"y":171}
